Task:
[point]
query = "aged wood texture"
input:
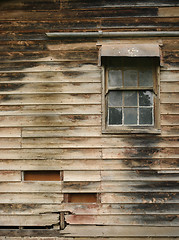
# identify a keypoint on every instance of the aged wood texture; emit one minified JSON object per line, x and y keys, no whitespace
{"x":50,"y":120}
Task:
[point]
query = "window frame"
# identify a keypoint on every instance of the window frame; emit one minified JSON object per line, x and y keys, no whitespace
{"x":141,"y":129}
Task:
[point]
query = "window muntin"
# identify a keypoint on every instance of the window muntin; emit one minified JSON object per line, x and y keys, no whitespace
{"x":130,"y":93}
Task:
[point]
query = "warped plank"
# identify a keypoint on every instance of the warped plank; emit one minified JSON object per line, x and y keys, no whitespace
{"x":12,"y":176}
{"x":124,"y":220}
{"x":90,"y":208}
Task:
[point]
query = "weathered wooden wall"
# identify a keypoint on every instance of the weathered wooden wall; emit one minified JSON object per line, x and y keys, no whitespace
{"x":50,"y":119}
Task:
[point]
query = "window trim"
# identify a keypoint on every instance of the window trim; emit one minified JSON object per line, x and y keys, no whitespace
{"x":155,"y":129}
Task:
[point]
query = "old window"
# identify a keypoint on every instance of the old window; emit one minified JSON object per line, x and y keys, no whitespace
{"x":130,"y":94}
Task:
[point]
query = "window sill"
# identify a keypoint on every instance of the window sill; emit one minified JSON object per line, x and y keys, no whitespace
{"x":131,"y":130}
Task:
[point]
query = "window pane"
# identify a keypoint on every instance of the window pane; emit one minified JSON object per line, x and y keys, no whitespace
{"x":145,"y":98}
{"x":130,"y":78}
{"x":145,"y":116}
{"x":115,"y":78}
{"x":146,"y":77}
{"x":130,"y":98}
{"x":130,"y":116}
{"x":115,"y":98}
{"x":115,"y":116}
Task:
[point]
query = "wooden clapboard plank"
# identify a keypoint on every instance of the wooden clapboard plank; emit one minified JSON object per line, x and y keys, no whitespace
{"x":50,"y":120}
{"x":169,"y":108}
{"x":10,"y":132}
{"x":169,"y":76}
{"x":26,"y":220}
{"x":10,"y":176}
{"x":169,"y":97}
{"x":28,"y":208}
{"x":147,"y":175}
{"x":88,"y":161}
{"x":136,"y":186}
{"x":50,"y":109}
{"x":27,"y":88}
{"x":10,"y":143}
{"x":61,"y":131}
{"x":140,"y":198}
{"x":90,"y":142}
{"x":31,"y":187}
{"x":81,"y":187}
{"x":61,"y":76}
{"x":110,"y":231}
{"x":92,"y":176}
{"x":124,"y":220}
{"x":30,"y":198}
{"x":163,"y":12}
{"x":133,"y":153}
{"x":170,"y":87}
{"x":46,"y":67}
{"x":171,"y":119}
{"x":49,"y":154}
{"x":50,"y":98}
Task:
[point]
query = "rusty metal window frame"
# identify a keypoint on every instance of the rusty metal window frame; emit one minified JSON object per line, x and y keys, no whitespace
{"x":117,"y":129}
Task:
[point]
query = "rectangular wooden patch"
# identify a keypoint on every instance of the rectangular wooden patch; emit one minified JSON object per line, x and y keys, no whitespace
{"x":42,"y":176}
